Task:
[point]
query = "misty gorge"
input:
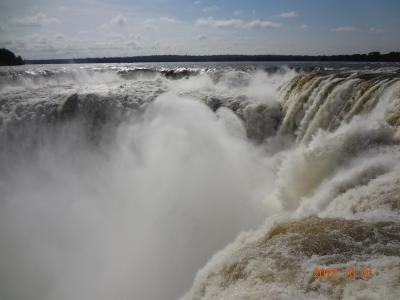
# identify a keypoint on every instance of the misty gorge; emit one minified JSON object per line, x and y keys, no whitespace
{"x":199,"y":181}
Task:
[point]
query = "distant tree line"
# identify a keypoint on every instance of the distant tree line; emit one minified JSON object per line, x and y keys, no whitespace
{"x":370,"y":57}
{"x":8,"y":58}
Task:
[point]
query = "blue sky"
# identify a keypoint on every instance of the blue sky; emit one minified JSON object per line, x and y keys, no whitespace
{"x":84,"y":28}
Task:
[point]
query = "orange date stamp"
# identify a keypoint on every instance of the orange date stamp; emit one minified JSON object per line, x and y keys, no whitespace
{"x":321,"y":273}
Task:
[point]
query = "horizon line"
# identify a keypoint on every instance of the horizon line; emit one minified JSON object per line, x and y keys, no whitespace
{"x":371,"y":56}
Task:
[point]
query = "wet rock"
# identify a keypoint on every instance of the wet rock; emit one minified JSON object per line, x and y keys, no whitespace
{"x":70,"y":107}
{"x":261,"y":121}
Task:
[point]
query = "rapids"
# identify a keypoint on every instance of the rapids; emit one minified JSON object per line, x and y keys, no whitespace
{"x":124,"y":181}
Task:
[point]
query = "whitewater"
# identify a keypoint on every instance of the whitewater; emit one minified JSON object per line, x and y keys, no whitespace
{"x":199,"y":181}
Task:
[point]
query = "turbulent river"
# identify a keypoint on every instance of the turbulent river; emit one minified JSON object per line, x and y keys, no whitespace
{"x":199,"y":181}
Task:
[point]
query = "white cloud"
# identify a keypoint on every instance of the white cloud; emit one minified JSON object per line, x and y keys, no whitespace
{"x":238,"y":12}
{"x":156,"y":46}
{"x":168,"y":19}
{"x":210,"y":22}
{"x":211,"y":9}
{"x":133,"y":44}
{"x":43,"y":41}
{"x":201,"y":37}
{"x":62,"y":8}
{"x":376,"y":30}
{"x":119,"y":20}
{"x":236,"y":23}
{"x":261,"y":24}
{"x":44,"y":44}
{"x":344,"y":29}
{"x":149,"y":27}
{"x":6,"y":43}
{"x":39,"y":19}
{"x":289,"y":14}
{"x":59,"y":36}
{"x":114,"y":37}
{"x":104,"y":46}
{"x":136,"y":37}
{"x":154,"y":24}
{"x":303,"y":26}
{"x":149,"y":24}
{"x":197,"y":2}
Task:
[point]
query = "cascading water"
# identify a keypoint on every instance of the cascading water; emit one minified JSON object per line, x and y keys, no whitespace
{"x":338,"y":187}
{"x":120,"y":182}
